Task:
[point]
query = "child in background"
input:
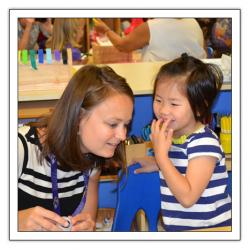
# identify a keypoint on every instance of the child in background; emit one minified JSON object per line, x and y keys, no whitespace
{"x":187,"y":153}
{"x":68,"y":33}
{"x":29,"y":30}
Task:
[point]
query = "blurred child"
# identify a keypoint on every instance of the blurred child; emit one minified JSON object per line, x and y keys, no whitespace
{"x":187,"y":153}
{"x":68,"y":33}
{"x":29,"y":30}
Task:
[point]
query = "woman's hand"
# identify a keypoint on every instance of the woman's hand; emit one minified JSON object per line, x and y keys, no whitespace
{"x":82,"y":222}
{"x":39,"y":219}
{"x":100,"y":26}
{"x":148,"y":164}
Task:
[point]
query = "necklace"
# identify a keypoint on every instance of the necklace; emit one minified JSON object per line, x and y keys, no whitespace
{"x":183,"y":138}
{"x":56,"y":202}
{"x":180,"y":140}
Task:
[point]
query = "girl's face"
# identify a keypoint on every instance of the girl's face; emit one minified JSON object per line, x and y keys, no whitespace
{"x":106,"y":125}
{"x":170,"y":102}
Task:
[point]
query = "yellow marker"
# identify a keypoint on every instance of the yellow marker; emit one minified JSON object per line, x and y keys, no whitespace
{"x":69,"y":54}
{"x":19,"y":56}
{"x":73,"y":70}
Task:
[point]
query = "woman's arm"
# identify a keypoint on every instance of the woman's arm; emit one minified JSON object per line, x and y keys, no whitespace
{"x":137,"y":39}
{"x":92,"y":195}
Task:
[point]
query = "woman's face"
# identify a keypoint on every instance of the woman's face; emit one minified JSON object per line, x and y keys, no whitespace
{"x":106,"y":125}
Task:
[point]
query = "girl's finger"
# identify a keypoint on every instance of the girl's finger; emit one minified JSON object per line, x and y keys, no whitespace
{"x":170,"y":134}
{"x":153,"y":126}
{"x":158,"y":125}
{"x":165,"y":126}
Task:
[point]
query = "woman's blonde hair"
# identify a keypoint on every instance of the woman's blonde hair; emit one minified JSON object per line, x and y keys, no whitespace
{"x":65,"y":32}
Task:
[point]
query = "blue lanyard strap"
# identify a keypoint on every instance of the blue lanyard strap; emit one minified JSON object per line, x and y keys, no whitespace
{"x":56,"y":202}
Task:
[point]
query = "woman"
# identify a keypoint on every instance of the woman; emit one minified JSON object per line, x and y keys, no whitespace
{"x":160,"y":39}
{"x":60,"y":158}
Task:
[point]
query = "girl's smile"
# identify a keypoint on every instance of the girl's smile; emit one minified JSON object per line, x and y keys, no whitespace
{"x":170,"y":102}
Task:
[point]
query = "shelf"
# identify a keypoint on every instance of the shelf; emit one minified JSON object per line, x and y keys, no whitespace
{"x":49,"y":81}
{"x":108,"y":178}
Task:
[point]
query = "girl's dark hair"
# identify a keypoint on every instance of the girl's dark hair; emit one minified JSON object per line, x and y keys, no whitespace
{"x":90,"y":86}
{"x":203,"y":82}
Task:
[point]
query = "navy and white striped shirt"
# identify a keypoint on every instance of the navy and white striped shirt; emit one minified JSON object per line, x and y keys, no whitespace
{"x":213,"y":208}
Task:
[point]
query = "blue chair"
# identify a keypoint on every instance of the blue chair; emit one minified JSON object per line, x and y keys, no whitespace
{"x":135,"y":192}
{"x":107,"y":194}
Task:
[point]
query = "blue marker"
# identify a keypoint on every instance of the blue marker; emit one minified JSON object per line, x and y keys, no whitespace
{"x":40,"y":56}
{"x":48,"y":56}
{"x":57,"y":55}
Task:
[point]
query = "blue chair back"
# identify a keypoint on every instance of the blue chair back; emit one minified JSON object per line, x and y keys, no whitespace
{"x":107,"y":194}
{"x":135,"y":192}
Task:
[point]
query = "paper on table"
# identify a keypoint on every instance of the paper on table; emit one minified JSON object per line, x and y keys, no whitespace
{"x":103,"y":41}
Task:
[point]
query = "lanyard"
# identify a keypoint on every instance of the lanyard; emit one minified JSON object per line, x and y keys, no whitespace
{"x":56,"y":202}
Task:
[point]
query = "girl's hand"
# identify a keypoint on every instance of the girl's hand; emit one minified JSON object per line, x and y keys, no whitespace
{"x":39,"y":219}
{"x":148,"y":164}
{"x":82,"y":222}
{"x":161,"y":137}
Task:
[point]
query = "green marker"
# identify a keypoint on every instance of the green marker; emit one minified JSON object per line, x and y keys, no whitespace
{"x":33,"y":59}
{"x":25,"y":56}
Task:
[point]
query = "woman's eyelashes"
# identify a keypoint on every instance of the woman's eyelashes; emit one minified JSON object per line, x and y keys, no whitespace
{"x":112,"y":125}
{"x":115,"y":125}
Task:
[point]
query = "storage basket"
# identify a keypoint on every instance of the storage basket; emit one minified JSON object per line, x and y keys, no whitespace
{"x":109,"y":54}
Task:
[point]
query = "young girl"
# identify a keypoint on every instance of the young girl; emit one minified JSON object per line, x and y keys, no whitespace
{"x":60,"y":157}
{"x":68,"y":33}
{"x":187,"y":153}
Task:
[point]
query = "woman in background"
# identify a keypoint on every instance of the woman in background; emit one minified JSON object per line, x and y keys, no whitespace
{"x":160,"y":39}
